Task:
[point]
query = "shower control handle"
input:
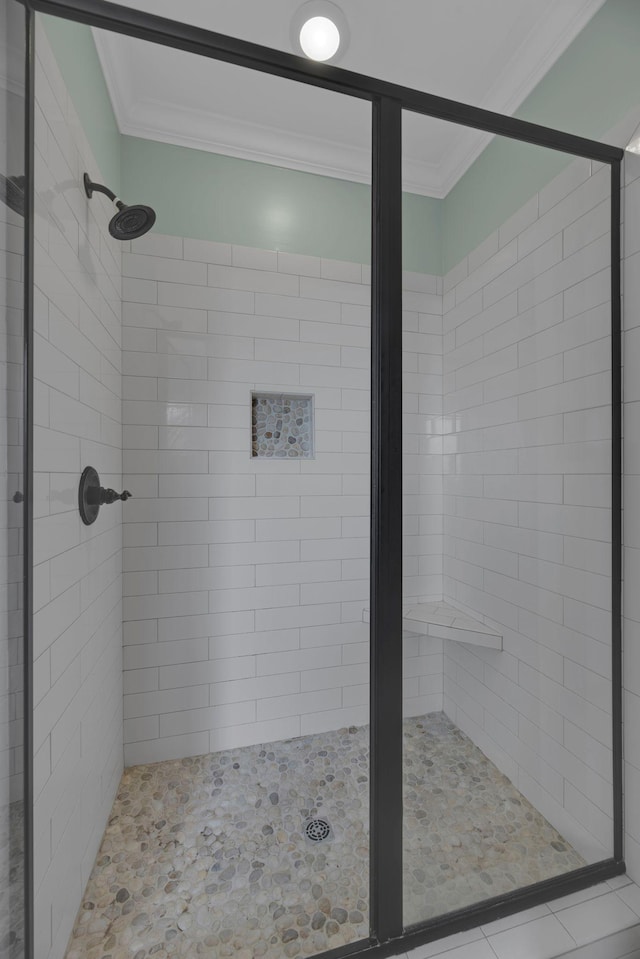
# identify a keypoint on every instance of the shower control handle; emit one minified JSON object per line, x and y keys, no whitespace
{"x":91,"y":496}
{"x":109,"y":496}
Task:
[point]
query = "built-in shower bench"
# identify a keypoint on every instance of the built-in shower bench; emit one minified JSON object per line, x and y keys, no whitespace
{"x":446,"y":622}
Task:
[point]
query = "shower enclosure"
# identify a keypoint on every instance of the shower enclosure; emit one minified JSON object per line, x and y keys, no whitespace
{"x":15,"y":547}
{"x":365,"y":609}
{"x":509,"y":545}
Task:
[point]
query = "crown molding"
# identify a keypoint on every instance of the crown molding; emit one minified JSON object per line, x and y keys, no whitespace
{"x":192,"y":128}
{"x":168,"y":123}
{"x":538,"y":52}
{"x":522,"y":73}
{"x":115,"y":70}
{"x":153,"y":120}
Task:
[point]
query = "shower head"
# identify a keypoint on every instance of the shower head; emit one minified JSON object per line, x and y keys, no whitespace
{"x":129,"y":222}
{"x":12,"y":192}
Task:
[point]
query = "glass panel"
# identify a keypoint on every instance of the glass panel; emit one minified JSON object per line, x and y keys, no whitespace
{"x":407,"y":52}
{"x":12,"y":172}
{"x":246,"y":388}
{"x":507,"y":512}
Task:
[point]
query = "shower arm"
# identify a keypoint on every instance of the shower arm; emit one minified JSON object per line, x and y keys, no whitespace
{"x":90,"y":188}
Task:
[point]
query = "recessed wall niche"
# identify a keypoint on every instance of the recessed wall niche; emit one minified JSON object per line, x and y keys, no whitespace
{"x":282,"y":425}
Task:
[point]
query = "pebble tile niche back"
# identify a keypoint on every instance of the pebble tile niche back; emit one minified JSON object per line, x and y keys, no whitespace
{"x":282,"y":426}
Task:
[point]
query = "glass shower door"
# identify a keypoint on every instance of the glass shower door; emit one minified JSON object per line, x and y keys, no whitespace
{"x":12,"y":246}
{"x":509,"y":537}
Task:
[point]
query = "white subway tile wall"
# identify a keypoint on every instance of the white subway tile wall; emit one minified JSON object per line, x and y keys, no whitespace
{"x":527,"y":501}
{"x":246,"y":579}
{"x":77,"y":578}
{"x":422,"y":348}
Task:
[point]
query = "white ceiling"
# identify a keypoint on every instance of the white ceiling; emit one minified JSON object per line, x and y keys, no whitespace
{"x":489,"y":53}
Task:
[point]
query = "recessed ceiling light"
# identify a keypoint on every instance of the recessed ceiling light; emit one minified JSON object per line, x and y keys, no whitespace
{"x":320,"y":38}
{"x":319,"y":30}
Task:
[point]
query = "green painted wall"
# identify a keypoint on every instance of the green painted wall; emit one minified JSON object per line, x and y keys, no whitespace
{"x":592,"y":86}
{"x":214,"y":197}
{"x":421,"y":233}
{"x":209,"y":196}
{"x":77,"y":57}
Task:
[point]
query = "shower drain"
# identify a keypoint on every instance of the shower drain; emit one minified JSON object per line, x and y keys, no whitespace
{"x":317,"y":830}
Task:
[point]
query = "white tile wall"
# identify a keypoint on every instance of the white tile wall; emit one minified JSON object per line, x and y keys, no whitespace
{"x":527,"y":502}
{"x":422,"y":426}
{"x":78,"y":581}
{"x":245,"y":579}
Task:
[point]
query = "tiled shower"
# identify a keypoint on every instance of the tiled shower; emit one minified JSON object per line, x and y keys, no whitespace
{"x":224,"y":610}
{"x":527,"y":491}
{"x":524,"y":474}
{"x":246,"y":578}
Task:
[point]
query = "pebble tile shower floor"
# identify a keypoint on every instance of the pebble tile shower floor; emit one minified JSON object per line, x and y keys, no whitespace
{"x":12,"y":889}
{"x":206,"y":856}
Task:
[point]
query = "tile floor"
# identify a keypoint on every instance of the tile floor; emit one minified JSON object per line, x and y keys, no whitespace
{"x":12,"y":893}
{"x":602,"y":922}
{"x":207,"y":856}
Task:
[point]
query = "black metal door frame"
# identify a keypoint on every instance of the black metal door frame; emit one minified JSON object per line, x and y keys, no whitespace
{"x":27,"y":480}
{"x":22,"y":47}
{"x":388,"y":935}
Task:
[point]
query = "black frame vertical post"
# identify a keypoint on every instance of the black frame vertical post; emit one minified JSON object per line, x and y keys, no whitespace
{"x":616,"y":511}
{"x":386,"y":523}
{"x":27,"y":480}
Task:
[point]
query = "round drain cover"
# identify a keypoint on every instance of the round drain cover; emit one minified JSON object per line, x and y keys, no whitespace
{"x":317,"y":829}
